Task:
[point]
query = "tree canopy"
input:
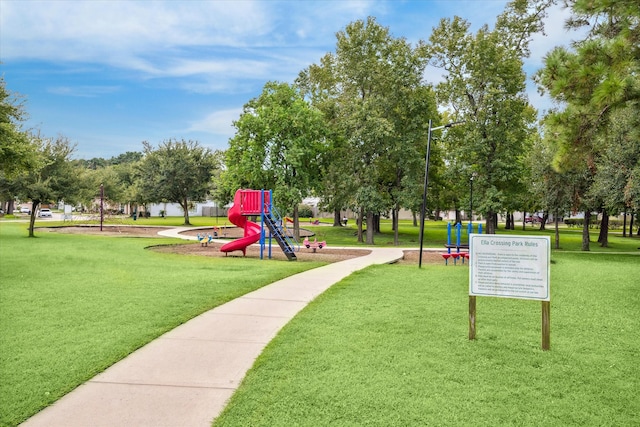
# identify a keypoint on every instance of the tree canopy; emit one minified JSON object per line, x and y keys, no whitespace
{"x":177,"y":171}
{"x":54,"y":177}
{"x":484,"y":84}
{"x":279,"y":143}
{"x":372,"y":92}
{"x":17,"y":151}
{"x":592,"y":81}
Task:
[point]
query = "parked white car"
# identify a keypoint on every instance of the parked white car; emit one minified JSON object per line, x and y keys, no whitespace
{"x":45,"y":213}
{"x":25,"y":209}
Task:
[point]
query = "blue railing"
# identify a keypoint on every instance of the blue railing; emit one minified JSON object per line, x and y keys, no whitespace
{"x":279,"y":223}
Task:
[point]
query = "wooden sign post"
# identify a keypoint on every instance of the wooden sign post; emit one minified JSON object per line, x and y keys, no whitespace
{"x":546,"y":325}
{"x":510,"y":267}
{"x":472,"y":317}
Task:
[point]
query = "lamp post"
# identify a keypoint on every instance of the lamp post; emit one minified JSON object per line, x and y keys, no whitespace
{"x":101,"y":205}
{"x":473,"y":175}
{"x":426,"y":181}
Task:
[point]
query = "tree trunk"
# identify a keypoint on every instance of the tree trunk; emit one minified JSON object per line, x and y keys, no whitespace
{"x":415,"y":219}
{"x":359,"y":221}
{"x":337,"y":220}
{"x":458,"y":216}
{"x":624,"y":224}
{"x":631,"y":224}
{"x":396,"y":239}
{"x":185,"y":207}
{"x":545,"y":217}
{"x":394,"y":219}
{"x":557,"y":223}
{"x":507,"y":226}
{"x":296,"y":223}
{"x":603,"y":237}
{"x":513,"y":221}
{"x":585,"y":231}
{"x":524,"y":221}
{"x":370,"y":228}
{"x":490,"y":223}
{"x":32,"y":218}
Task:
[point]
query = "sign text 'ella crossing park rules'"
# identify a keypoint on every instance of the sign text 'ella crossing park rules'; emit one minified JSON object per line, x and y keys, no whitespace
{"x":510,"y":267}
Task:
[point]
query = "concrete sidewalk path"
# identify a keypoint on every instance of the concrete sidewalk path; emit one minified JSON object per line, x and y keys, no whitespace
{"x":186,"y":376}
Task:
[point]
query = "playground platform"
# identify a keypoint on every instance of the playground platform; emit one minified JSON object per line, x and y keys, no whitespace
{"x":186,"y":376}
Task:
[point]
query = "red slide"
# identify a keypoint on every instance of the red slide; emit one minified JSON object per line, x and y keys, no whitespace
{"x":251,"y":229}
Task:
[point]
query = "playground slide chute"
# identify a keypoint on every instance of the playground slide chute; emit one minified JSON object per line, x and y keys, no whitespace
{"x":252,"y":230}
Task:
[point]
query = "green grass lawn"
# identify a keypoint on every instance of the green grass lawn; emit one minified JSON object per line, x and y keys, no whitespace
{"x":388,"y":346}
{"x":72,"y":305}
{"x":435,"y":235}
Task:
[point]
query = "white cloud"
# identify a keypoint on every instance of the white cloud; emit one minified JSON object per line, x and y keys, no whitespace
{"x":101,"y":30}
{"x":217,"y":42}
{"x":217,"y":123}
{"x":83,"y":91}
{"x":555,"y":34}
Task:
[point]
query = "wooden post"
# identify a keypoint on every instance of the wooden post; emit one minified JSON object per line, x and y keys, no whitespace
{"x":472,"y":317}
{"x":546,"y":325}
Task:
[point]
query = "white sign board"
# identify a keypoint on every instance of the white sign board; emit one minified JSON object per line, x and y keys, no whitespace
{"x":509,"y":266}
{"x":67,"y":212}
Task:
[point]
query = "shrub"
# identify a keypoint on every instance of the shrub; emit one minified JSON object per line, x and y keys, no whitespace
{"x":305,"y":211}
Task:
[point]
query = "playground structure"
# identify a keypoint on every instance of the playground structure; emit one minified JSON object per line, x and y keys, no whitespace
{"x":208,"y":238}
{"x":204,"y":240}
{"x":313,"y":245}
{"x":258,"y":203}
{"x":458,"y":245}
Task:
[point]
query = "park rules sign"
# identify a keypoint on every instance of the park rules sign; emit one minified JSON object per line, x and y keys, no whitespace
{"x":509,"y":266}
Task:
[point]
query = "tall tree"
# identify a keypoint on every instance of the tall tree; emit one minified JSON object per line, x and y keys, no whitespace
{"x":591,"y":80}
{"x":17,"y":150}
{"x":401,"y":168}
{"x":117,"y":175}
{"x":177,"y":171}
{"x":616,"y":181}
{"x":551,"y":189}
{"x":372,"y":85}
{"x":336,"y":188}
{"x":279,"y":143}
{"x":485,"y":86}
{"x":53,"y":178}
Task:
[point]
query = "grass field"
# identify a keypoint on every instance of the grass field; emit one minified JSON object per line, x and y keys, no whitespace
{"x":435,"y":232}
{"x":389,"y":346}
{"x":72,"y":305}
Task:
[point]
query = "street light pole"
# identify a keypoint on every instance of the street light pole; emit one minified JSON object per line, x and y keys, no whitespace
{"x":426,"y":182}
{"x":471,"y":200}
{"x":101,"y":205}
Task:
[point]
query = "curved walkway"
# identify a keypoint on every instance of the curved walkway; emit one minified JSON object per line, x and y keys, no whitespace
{"x":186,"y":376}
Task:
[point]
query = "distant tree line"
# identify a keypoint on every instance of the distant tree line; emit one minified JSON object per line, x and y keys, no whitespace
{"x":353,"y":130}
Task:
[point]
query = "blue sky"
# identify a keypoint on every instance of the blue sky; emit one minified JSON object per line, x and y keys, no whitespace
{"x":111,"y":74}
